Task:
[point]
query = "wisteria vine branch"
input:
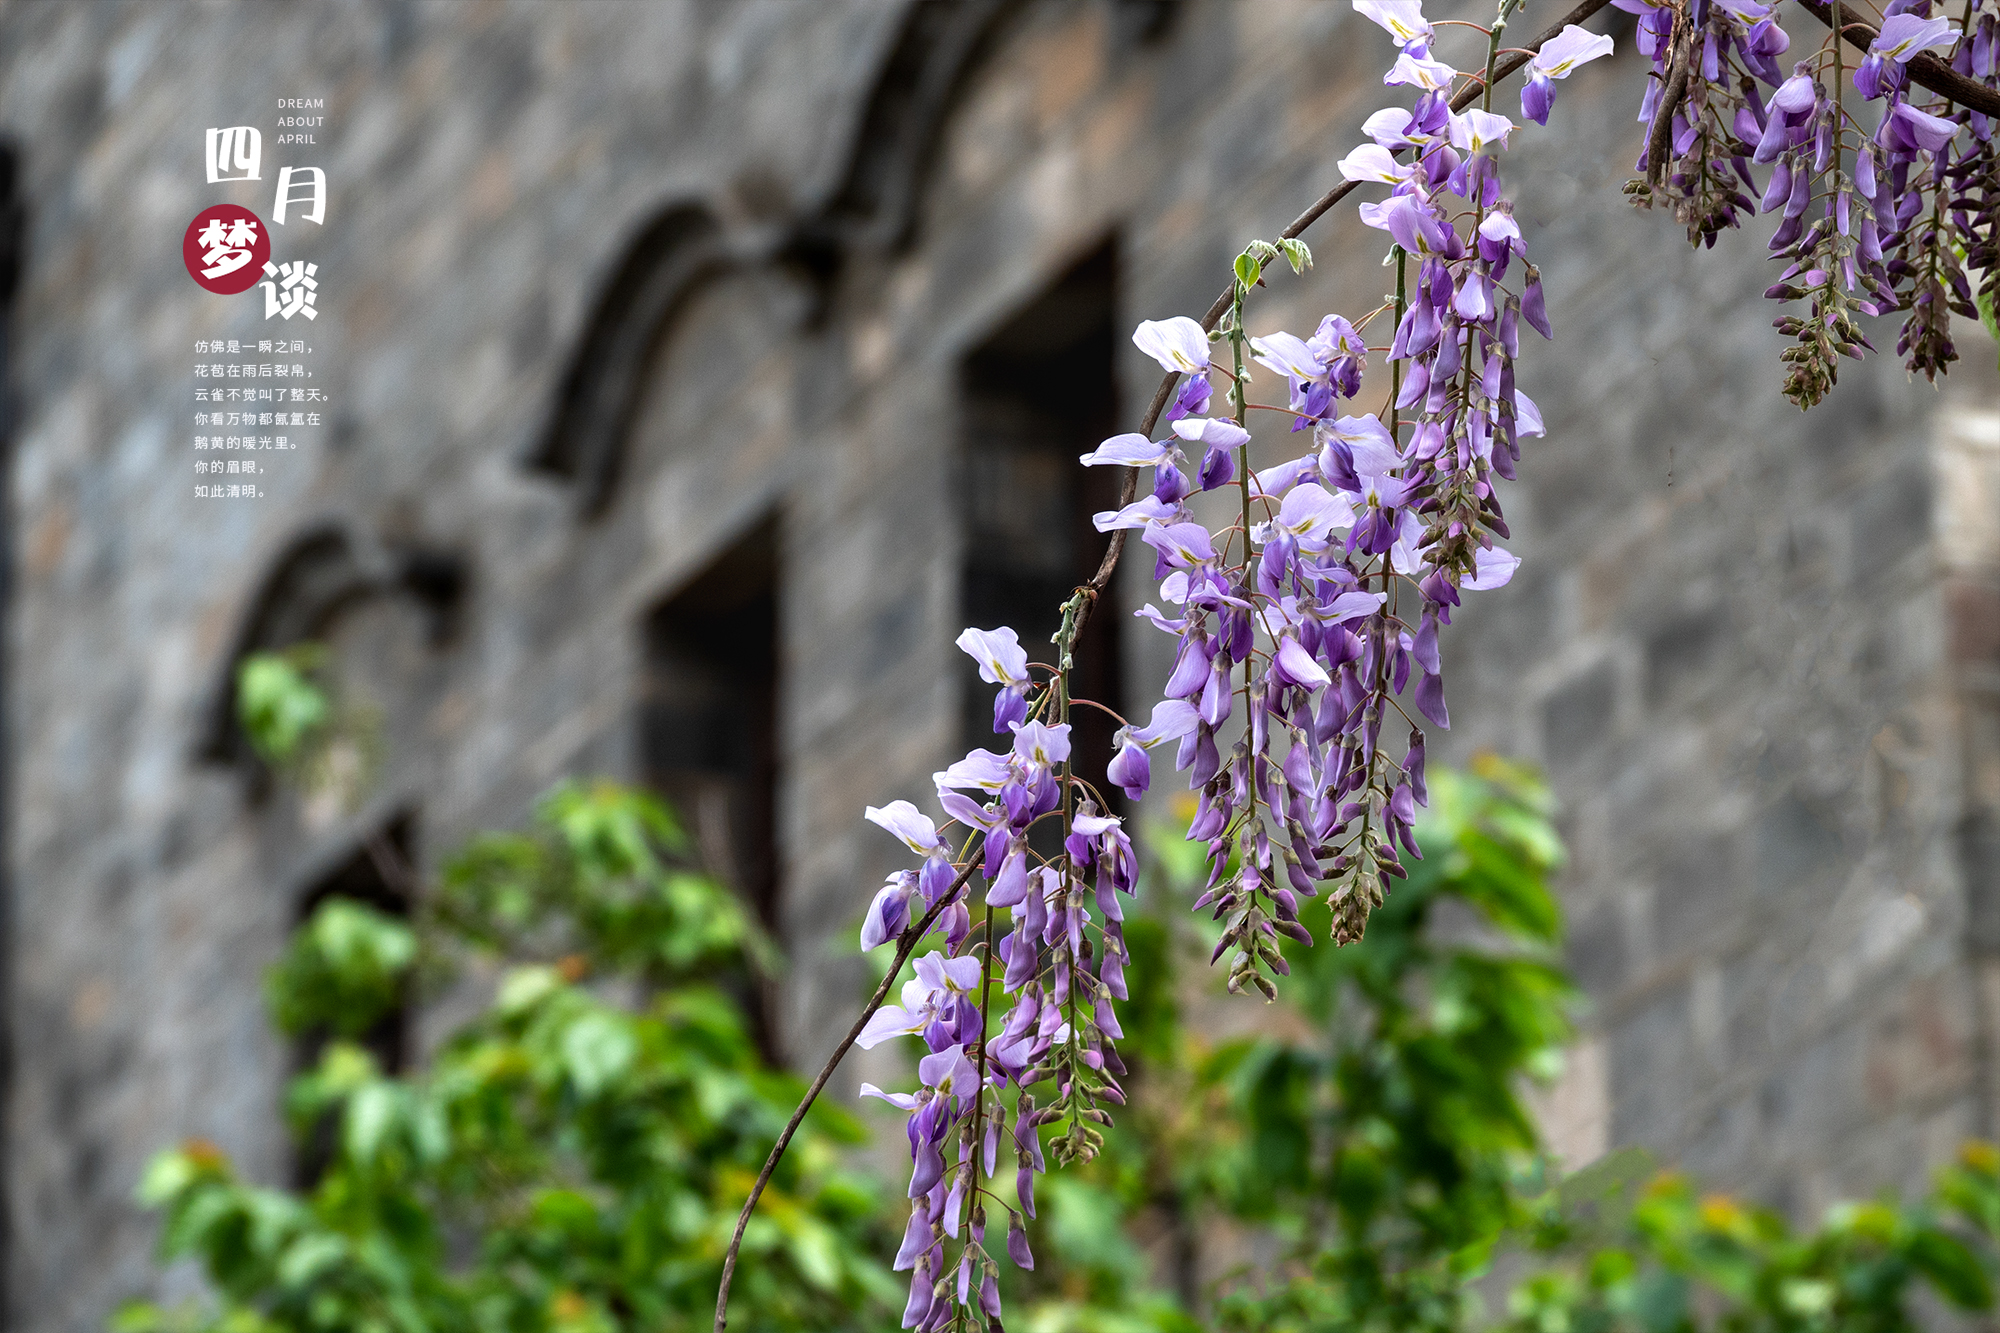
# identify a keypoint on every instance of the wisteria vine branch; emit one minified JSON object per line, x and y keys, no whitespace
{"x":1332,"y":574}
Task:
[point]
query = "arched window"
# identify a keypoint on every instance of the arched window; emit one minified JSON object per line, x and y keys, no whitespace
{"x":708,"y":722}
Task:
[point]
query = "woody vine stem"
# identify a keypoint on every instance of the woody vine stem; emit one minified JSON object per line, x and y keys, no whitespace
{"x":1329,"y":577}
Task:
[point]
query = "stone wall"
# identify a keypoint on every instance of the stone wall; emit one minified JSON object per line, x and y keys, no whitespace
{"x":606,"y":286}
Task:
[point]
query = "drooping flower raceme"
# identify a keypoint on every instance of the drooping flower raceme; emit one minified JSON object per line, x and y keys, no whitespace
{"x":1306,"y":643}
{"x":1870,"y":220}
{"x":1306,"y":621}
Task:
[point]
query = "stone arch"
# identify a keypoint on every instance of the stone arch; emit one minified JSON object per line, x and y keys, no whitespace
{"x":324,"y":571}
{"x":673,"y":255}
{"x":935,"y":49}
{"x":939,"y":45}
{"x":684,"y":247}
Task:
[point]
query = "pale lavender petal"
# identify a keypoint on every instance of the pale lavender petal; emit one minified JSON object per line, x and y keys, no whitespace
{"x":908,"y":823}
{"x":1372,"y":162}
{"x":891,"y":1020}
{"x":1131,"y":450}
{"x":901,"y":1100}
{"x":1569,"y":48}
{"x":1492,"y":568}
{"x":1177,"y":344}
{"x":1002,"y":660}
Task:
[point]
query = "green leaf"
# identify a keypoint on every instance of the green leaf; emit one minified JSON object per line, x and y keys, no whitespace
{"x":1987,"y":303}
{"x":371,"y":1114}
{"x":167,"y":1175}
{"x":309,"y":1257}
{"x":342,"y":971}
{"x":597,"y":1050}
{"x":278,"y":706}
{"x":1952,"y":1268}
{"x":817,"y":1253}
{"x":525,"y":987}
{"x":1248,"y":270}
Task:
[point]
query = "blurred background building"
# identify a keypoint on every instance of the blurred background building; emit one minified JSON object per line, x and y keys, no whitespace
{"x":696,"y":370}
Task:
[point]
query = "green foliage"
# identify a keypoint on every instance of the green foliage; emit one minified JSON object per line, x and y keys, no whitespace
{"x":571,"y":1160}
{"x":297,"y":724}
{"x":281,"y":707}
{"x":595,"y":877}
{"x":1677,"y":1262}
{"x":343,"y":970}
{"x":1374,"y":1136}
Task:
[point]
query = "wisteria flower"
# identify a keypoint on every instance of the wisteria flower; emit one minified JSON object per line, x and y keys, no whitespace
{"x":1142,"y":511}
{"x":1131,"y":450}
{"x":1181,"y":545}
{"x":930,"y":996}
{"x":1792,"y":111}
{"x":1177,"y":344}
{"x":909,"y":824}
{"x":1412,"y":224}
{"x":949,"y":1072}
{"x":1041,"y":745}
{"x":1003,"y":662}
{"x":1902,"y":37}
{"x":1309,"y":514}
{"x":1131,"y":769}
{"x":889,"y":912}
{"x":1492,"y":568}
{"x":1401,"y":19}
{"x":1476,"y":130}
{"x":1338,"y":346}
{"x":1559,"y":56}
{"x":1391,"y":129}
{"x":1910,"y":130}
{"x":1215,"y":432}
{"x":982,"y":770}
{"x":1372,"y":162}
{"x":1420,"y":71}
{"x":1369,"y":445}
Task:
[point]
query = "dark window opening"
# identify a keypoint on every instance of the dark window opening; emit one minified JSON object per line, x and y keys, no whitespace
{"x":1039,"y":392}
{"x":377,"y":875}
{"x":708,"y":728}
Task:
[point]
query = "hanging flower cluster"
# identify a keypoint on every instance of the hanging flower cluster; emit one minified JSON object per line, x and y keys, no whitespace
{"x":1060,"y":963}
{"x":1305,"y":598}
{"x":1898,"y":230}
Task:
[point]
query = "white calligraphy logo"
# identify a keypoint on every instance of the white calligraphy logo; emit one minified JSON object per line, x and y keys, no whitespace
{"x":310,"y":179}
{"x":234,"y":154}
{"x":299,"y":286}
{"x":226,"y":246}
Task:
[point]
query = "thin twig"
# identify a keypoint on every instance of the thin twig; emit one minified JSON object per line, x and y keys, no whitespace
{"x":906,"y":945}
{"x":1660,"y":137}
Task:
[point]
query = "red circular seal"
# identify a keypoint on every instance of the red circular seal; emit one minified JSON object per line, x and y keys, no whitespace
{"x":226,"y":248}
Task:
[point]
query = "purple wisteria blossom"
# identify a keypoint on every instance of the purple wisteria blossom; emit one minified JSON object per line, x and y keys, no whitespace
{"x":1557,"y":59}
{"x":1058,"y":965}
{"x":1003,"y":662}
{"x":1306,"y":592}
{"x":1305,"y":628}
{"x":1401,"y":19}
{"x":1869,"y":219}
